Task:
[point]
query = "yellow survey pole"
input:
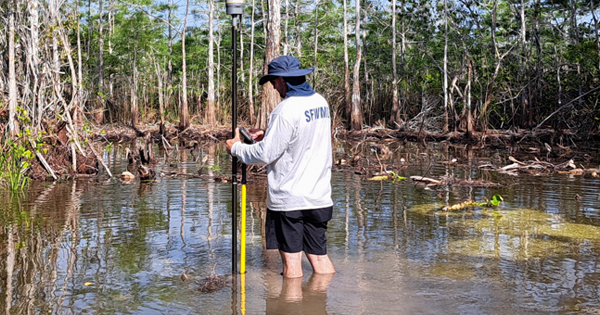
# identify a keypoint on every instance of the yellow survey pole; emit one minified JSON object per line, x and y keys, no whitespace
{"x":243,"y":225}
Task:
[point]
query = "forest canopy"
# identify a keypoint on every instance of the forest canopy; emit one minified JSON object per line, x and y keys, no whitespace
{"x":439,"y":65}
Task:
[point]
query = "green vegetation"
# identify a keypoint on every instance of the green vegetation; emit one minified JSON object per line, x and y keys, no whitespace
{"x":496,"y":200}
{"x":453,"y":65}
{"x":14,"y":161}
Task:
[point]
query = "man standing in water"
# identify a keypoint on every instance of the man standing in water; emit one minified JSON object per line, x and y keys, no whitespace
{"x":296,"y":148}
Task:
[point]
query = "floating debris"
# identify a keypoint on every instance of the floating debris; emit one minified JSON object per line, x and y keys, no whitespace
{"x":127,"y":176}
{"x":542,"y":167}
{"x":496,"y":200}
{"x":389,"y":176}
{"x":450,"y":181}
{"x":213,"y":283}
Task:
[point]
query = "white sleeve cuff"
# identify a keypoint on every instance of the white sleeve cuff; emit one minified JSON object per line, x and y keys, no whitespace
{"x":234,"y":148}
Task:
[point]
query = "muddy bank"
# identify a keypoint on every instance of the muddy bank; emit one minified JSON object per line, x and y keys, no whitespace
{"x":68,"y":158}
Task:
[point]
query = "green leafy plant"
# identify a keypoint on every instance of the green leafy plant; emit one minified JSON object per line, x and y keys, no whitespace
{"x":14,"y":162}
{"x":389,"y":176}
{"x":496,"y":200}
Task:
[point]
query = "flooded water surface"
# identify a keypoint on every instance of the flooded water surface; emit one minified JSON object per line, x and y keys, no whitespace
{"x":104,"y":246}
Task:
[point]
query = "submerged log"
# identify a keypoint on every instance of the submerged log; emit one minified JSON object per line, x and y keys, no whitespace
{"x":452,"y":181}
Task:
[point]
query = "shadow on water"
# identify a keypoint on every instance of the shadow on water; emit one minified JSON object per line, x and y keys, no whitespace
{"x":111,"y":247}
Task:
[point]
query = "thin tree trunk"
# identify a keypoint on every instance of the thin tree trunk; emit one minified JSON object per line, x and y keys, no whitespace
{"x":74,"y":105}
{"x":468,"y":97}
{"x":101,"y":95}
{"x":161,"y":99}
{"x":395,"y":115}
{"x":367,"y":101}
{"x":270,"y":96}
{"x":218,"y":92}
{"x":347,"y":94}
{"x":493,"y":28}
{"x":77,"y":117}
{"x":170,"y":59}
{"x":597,"y":30}
{"x":184,"y":116}
{"x":402,"y":108}
{"x":13,"y":125}
{"x":298,"y":32}
{"x":211,"y":118}
{"x":357,"y":115}
{"x":33,"y":59}
{"x":111,"y":29}
{"x":522,"y":55}
{"x":251,"y":71}
{"x":134,"y":97}
{"x":445,"y":128}
{"x":316,"y":44}
{"x":286,"y":44}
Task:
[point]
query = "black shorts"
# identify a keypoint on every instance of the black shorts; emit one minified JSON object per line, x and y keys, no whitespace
{"x":298,"y":230}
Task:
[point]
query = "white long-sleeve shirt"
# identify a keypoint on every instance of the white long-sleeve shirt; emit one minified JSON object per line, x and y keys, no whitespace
{"x":297,"y":151}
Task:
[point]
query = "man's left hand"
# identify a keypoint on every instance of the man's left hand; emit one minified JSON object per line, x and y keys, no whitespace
{"x":229,"y":143}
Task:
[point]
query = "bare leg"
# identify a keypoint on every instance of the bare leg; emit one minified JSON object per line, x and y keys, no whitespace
{"x":292,"y":264}
{"x":321,"y":263}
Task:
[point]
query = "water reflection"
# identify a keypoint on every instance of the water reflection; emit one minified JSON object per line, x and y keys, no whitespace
{"x":108,"y":247}
{"x":294,"y":298}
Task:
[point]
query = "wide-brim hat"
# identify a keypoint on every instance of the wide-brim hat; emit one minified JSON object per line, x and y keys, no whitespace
{"x":284,"y":66}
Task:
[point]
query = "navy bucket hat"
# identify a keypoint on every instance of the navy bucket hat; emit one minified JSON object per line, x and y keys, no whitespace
{"x":284,"y":66}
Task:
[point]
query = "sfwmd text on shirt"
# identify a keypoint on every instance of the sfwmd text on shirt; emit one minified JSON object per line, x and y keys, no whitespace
{"x":317,"y":113}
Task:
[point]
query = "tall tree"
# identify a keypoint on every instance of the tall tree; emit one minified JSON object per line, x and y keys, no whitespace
{"x":395,"y":116}
{"x":270,"y":97}
{"x":33,"y":59}
{"x":101,"y":96}
{"x":347,"y":94}
{"x":251,"y":82}
{"x":445,"y":128}
{"x":211,"y":116}
{"x":13,"y":125}
{"x":315,"y":44}
{"x":356,"y":119}
{"x":184,"y":116}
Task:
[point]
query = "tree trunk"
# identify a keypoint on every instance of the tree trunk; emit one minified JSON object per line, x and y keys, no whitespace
{"x":356,"y":119}
{"x":78,"y":116}
{"x":402,"y":109}
{"x":251,"y":83}
{"x":211,"y":118}
{"x":33,"y":60}
{"x":13,"y":125}
{"x":316,"y":44}
{"x":445,"y":128}
{"x":596,"y":28}
{"x":347,"y":95}
{"x":286,"y":43}
{"x":134,"y":97}
{"x":523,"y":55}
{"x":161,"y":99}
{"x":170,"y":57}
{"x":468,"y":97}
{"x":101,"y":95}
{"x":298,"y":32}
{"x":270,"y":96}
{"x":394,"y":119}
{"x":184,"y":116}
